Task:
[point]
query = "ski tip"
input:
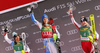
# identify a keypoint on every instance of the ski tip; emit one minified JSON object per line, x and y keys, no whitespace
{"x":23,"y":33}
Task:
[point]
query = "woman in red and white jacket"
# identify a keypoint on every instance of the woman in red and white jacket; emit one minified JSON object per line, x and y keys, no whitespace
{"x":87,"y":41}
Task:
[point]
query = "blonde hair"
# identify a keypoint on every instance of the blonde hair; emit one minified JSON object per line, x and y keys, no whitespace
{"x":82,"y":16}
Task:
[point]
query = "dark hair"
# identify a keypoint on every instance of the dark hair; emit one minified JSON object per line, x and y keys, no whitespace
{"x":15,"y":40}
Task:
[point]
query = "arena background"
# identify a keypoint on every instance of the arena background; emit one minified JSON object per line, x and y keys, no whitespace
{"x":70,"y":37}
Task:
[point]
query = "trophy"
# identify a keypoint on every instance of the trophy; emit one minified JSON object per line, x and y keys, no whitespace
{"x":31,"y":7}
{"x":8,"y":26}
{"x":71,"y":7}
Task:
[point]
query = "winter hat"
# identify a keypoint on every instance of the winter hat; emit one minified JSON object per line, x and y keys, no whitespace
{"x":83,"y":19}
{"x":14,"y":34}
{"x":44,"y":16}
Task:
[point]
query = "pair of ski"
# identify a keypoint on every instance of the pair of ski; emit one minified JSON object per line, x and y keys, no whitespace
{"x":24,"y":41}
{"x":93,"y":31}
{"x":55,"y":35}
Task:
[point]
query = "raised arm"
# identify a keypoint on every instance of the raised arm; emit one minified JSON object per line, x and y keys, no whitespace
{"x":35,"y":21}
{"x":73,"y":20}
{"x":6,"y":38}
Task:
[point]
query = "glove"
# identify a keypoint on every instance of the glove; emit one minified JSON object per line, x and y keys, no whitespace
{"x":57,"y":40}
{"x":51,"y":21}
{"x":91,"y":38}
{"x":95,"y":42}
{"x":30,"y":9}
{"x":55,"y":37}
{"x":23,"y":51}
{"x":6,"y":29}
{"x":69,"y":11}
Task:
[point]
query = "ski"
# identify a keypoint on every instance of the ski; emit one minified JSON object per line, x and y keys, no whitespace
{"x":93,"y":30}
{"x":24,"y":42}
{"x":55,"y":35}
{"x":93,"y":26}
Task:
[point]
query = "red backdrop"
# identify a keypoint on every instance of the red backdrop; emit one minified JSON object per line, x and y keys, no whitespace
{"x":7,"y":4}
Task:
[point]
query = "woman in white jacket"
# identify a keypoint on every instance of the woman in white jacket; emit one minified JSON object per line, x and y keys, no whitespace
{"x":17,"y":43}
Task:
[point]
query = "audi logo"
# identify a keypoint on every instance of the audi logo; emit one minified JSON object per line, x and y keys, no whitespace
{"x":71,"y":32}
{"x":57,"y":26}
{"x":9,"y":48}
{"x":76,"y":48}
{"x":39,"y":40}
{"x":61,"y":43}
{"x":97,"y":7}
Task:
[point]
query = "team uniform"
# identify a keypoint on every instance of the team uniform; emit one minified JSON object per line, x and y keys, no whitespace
{"x":47,"y":35}
{"x":85,"y":32}
{"x":17,"y":47}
